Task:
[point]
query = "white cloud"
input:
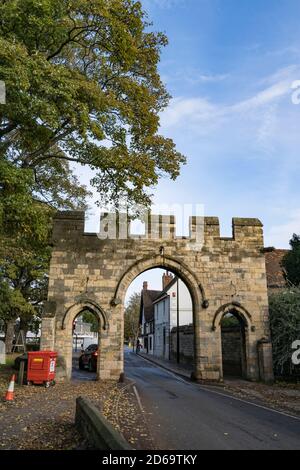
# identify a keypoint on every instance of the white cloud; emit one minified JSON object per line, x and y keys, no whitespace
{"x":194,"y":77}
{"x":260,"y":114}
{"x":279,"y":235}
{"x":209,"y":78}
{"x":265,"y":97}
{"x":163,"y":4}
{"x":283,"y":74}
{"x":184,"y":110}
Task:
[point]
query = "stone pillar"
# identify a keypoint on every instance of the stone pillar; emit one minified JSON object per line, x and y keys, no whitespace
{"x":265,"y":359}
{"x":48,"y":326}
{"x":208,"y":356}
{"x":47,"y":333}
{"x":197,"y":373}
{"x":110,"y":361}
{"x":251,"y":356}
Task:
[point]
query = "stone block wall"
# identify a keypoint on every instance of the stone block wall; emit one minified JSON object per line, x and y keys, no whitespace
{"x":186,"y":344}
{"x":232,"y":350}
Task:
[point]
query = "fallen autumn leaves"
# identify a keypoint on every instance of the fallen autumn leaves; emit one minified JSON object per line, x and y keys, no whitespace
{"x":41,"y":419}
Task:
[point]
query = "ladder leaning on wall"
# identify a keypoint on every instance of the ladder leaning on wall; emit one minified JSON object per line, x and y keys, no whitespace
{"x":20,"y":342}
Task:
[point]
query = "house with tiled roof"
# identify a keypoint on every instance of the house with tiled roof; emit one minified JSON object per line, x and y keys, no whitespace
{"x":163,"y":311}
{"x":172,"y":310}
{"x":147,"y":317}
{"x":274,"y":269}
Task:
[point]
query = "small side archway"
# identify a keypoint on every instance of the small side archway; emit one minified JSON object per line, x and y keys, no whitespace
{"x":232,"y":322}
{"x":65,"y":330}
{"x":75,"y":309}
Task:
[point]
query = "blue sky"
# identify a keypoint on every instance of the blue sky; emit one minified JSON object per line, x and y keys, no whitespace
{"x":229,"y":67}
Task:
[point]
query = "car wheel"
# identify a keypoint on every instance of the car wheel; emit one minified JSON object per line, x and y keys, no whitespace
{"x":81,"y":365}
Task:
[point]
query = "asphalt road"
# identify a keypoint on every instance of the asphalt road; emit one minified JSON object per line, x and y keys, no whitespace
{"x":81,"y":375}
{"x":186,"y":416}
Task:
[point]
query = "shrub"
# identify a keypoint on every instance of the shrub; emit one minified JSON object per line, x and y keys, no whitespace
{"x":285,"y":329}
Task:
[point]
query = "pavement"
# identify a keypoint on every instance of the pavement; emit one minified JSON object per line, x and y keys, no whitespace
{"x":186,"y":416}
{"x":184,"y":370}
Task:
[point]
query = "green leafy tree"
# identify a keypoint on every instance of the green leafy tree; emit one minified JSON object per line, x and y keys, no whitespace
{"x":90,"y":318}
{"x":25,"y":225}
{"x":83,"y":87}
{"x":132,"y":317}
{"x":285,"y":329}
{"x":291,"y":262}
{"x":25,"y":228}
{"x":27,"y":276}
{"x":13,"y":305}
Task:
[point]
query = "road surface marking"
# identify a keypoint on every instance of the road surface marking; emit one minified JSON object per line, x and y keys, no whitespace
{"x":203,"y":387}
{"x":138,"y":398}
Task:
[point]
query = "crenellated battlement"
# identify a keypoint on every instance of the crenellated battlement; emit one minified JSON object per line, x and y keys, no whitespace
{"x":113,"y":226}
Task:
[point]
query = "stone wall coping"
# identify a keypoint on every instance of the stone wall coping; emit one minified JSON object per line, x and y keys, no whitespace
{"x":96,"y":429}
{"x":246,"y":222}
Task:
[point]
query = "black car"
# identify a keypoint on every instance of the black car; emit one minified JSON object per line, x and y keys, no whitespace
{"x":88,"y":358}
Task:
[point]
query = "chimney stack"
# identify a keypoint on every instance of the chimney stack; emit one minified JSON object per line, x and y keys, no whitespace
{"x":145,"y":285}
{"x":167,"y":278}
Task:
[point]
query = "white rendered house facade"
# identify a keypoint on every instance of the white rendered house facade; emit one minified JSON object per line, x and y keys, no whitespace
{"x":173,"y":308}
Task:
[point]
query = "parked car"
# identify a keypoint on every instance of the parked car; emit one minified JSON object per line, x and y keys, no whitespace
{"x":88,"y":358}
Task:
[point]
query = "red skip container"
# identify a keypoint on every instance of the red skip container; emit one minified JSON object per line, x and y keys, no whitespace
{"x":41,"y":367}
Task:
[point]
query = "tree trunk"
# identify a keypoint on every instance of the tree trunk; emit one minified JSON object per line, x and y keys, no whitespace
{"x":9,"y":335}
{"x":23,"y":332}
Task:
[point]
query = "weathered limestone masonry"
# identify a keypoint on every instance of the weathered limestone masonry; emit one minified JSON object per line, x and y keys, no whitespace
{"x":224,"y":274}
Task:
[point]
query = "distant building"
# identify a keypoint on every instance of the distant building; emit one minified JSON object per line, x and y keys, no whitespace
{"x":158,"y":314}
{"x":83,"y":337}
{"x":147,"y":317}
{"x":171,"y":310}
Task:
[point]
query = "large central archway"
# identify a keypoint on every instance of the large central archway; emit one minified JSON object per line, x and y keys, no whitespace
{"x":181,"y":271}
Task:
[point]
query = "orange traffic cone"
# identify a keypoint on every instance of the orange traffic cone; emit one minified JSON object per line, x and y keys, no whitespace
{"x":9,"y":396}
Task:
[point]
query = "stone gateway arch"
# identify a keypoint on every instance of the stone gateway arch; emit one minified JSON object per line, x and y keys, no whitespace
{"x":222,"y":275}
